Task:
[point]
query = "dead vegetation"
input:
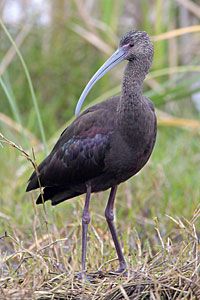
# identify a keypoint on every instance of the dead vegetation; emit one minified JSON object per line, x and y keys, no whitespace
{"x":172,"y":273}
{"x":45,"y":268}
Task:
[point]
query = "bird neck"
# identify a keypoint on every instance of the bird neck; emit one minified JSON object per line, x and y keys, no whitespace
{"x":131,"y":95}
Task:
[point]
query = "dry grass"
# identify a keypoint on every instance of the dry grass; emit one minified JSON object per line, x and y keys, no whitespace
{"x":43,"y":270}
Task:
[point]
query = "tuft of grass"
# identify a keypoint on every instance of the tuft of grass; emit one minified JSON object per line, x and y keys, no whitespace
{"x":48,"y":265}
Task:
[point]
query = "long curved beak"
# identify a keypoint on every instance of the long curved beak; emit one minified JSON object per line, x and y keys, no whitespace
{"x":112,"y":61}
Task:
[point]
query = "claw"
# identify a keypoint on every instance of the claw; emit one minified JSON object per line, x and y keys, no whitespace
{"x":82,"y":276}
{"x":120,"y":271}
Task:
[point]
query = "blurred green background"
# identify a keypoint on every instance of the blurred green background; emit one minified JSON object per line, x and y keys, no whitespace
{"x":63,"y":43}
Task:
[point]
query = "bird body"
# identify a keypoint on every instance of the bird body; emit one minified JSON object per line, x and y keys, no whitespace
{"x":106,"y":144}
{"x":93,"y":151}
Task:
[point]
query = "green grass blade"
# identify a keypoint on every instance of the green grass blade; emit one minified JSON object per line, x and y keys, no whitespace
{"x":11,"y":101}
{"x":34,"y":99}
{"x":111,"y":11}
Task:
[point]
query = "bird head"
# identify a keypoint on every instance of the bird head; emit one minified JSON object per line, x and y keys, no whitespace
{"x":133,"y":46}
{"x":136,"y":45}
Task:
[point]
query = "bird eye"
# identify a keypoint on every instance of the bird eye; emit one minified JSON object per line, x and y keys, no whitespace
{"x":131,"y":44}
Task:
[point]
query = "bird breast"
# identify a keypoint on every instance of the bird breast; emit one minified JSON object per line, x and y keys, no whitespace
{"x":132,"y":144}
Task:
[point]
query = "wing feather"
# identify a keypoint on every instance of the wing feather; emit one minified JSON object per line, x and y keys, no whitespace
{"x":77,"y":161}
{"x":79,"y":153}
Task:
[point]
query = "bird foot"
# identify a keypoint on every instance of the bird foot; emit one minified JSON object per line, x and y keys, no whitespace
{"x":82,"y":276}
{"x":120,"y":271}
{"x":91,"y":277}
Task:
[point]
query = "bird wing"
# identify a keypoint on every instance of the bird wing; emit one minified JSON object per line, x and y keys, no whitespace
{"x":79,"y":153}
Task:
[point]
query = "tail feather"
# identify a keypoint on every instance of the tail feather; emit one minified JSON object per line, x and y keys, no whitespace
{"x":47,"y":194}
{"x":33,"y":182}
{"x":56,"y":195}
{"x":36,"y":178}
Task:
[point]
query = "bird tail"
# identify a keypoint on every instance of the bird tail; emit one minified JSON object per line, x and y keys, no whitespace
{"x":56,"y":195}
{"x":33,"y":182}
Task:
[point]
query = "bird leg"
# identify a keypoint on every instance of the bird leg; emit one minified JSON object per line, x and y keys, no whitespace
{"x":85,"y":222}
{"x":110,"y":220}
